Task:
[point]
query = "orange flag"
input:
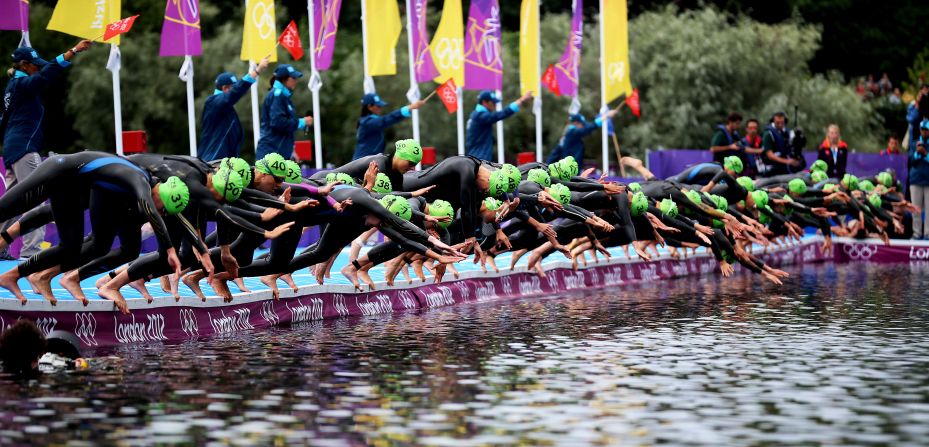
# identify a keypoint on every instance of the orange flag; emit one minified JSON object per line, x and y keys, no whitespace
{"x":633,"y":102}
{"x":119,"y":27}
{"x":551,"y":80}
{"x":448,"y":93}
{"x":290,"y":40}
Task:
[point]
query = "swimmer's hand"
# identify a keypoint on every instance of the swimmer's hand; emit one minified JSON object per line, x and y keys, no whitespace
{"x":340,"y":206}
{"x":423,"y":191}
{"x":281,"y":229}
{"x":299,"y":206}
{"x":270,"y":213}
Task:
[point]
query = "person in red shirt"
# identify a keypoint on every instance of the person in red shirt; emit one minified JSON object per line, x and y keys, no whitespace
{"x":834,"y":152}
{"x":893,"y":146}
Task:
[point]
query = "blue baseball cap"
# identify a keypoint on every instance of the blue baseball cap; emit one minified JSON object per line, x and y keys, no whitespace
{"x":225,"y":79}
{"x":372,"y":99}
{"x":28,"y":54}
{"x":577,"y":118}
{"x":287,"y":70}
{"x":924,"y":124}
{"x":487,"y":95}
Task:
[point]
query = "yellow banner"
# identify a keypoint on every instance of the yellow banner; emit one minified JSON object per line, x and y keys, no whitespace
{"x":259,"y":33}
{"x":382,"y":32}
{"x":615,"y":68}
{"x":529,"y":47}
{"x":447,"y":45}
{"x":86,"y":19}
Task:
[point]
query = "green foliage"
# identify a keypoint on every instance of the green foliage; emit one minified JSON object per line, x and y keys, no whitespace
{"x":917,"y":72}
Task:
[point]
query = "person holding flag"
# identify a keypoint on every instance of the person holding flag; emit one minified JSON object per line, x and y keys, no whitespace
{"x":221,"y":134}
{"x":480,"y":140}
{"x":371,"y":124}
{"x":23,"y":113}
{"x":278,"y":119}
{"x":572,"y":141}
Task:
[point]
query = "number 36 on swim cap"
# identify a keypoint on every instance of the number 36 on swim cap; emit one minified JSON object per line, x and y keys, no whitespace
{"x":174,"y":195}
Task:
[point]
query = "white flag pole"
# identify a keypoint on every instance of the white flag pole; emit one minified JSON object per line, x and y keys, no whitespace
{"x":314,"y":88}
{"x":500,"y":155}
{"x":113,"y":64}
{"x":368,"y":80}
{"x":537,"y":104}
{"x":604,"y":130}
{"x":256,"y":116}
{"x":414,"y":86}
{"x":460,"y":116}
{"x":191,"y":118}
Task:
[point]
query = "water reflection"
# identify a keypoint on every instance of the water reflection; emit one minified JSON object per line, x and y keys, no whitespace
{"x":836,"y":356}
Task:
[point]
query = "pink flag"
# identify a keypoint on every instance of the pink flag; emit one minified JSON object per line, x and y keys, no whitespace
{"x":425,"y":67}
{"x":566,"y":70}
{"x":180,"y":33}
{"x":483,"y":56}
{"x":325,"y":23}
{"x":14,"y":15}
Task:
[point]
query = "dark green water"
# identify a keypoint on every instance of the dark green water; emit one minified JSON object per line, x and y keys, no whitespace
{"x":837,"y":356}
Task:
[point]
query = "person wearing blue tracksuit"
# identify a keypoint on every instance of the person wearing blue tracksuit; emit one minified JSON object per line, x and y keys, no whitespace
{"x":480,"y":140}
{"x":371,"y":125}
{"x":278,"y":119}
{"x":221,"y":131}
{"x":572,"y":142}
{"x":23,"y":116}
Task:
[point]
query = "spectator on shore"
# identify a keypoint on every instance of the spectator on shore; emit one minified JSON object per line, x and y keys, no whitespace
{"x":776,"y":145}
{"x":834,"y":152}
{"x":894,"y":97}
{"x":893,"y":146}
{"x":751,"y":144}
{"x":914,"y":114}
{"x":919,"y":179}
{"x":725,"y":141}
{"x":885,"y":85}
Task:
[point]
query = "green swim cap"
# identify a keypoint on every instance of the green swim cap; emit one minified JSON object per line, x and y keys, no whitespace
{"x":441,"y":208}
{"x":513,"y":177}
{"x":721,"y":202}
{"x":694,"y":196}
{"x":639,"y":204}
{"x":866,"y":185}
{"x":330,"y":177}
{"x":272,"y":164}
{"x":382,"y":184}
{"x":398,"y":206}
{"x":555,"y":170}
{"x":761,"y":198}
{"x":240,"y":167}
{"x":875,"y":200}
{"x":228,"y":184}
{"x":746,"y":182}
{"x":733,"y":163}
{"x":294,"y":173}
{"x":345,"y":179}
{"x":561,"y":193}
{"x":492,"y":204}
{"x":409,"y":150}
{"x":851,"y":182}
{"x":499,"y":181}
{"x":819,"y":165}
{"x":174,"y":194}
{"x":569,"y":166}
{"x":764,"y":218}
{"x":539,"y":176}
{"x":634,"y":187}
{"x":668,"y":207}
{"x":828,"y":187}
{"x":818,"y":176}
{"x":885,"y":179}
{"x":797,"y":186}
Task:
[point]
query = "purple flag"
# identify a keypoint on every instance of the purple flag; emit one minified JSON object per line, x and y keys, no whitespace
{"x":14,"y":15}
{"x":180,"y":33}
{"x":483,"y":56}
{"x":566,"y":70}
{"x":326,"y":24}
{"x":425,"y":67}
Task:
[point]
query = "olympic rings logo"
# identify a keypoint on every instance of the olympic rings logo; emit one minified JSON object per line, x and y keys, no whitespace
{"x":263,"y":20}
{"x":859,"y":251}
{"x":616,"y":71}
{"x":448,"y":54}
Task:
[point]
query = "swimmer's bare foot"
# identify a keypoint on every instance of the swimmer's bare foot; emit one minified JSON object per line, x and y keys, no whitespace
{"x":101,"y":281}
{"x":453,"y":270}
{"x":71,"y":282}
{"x":222,"y":289}
{"x":117,"y":298}
{"x":42,"y":285}
{"x":351,"y":274}
{"x":271,"y":282}
{"x":363,"y":274}
{"x":240,"y":283}
{"x":320,"y":273}
{"x":192,"y":281}
{"x":8,"y":282}
{"x":139,"y":286}
{"x":289,"y":280}
{"x":165,"y":284}
{"x":492,"y":262}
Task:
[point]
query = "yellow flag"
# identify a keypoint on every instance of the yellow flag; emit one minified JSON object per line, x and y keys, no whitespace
{"x":86,"y":19}
{"x":259,"y":34}
{"x":529,"y":47}
{"x":615,"y":68}
{"x":382,"y":31}
{"x":447,"y":45}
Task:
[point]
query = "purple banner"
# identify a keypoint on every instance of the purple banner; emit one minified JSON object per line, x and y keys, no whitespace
{"x":14,"y":15}
{"x":325,"y":24}
{"x":668,"y":162}
{"x":425,"y":67}
{"x":566,"y":70}
{"x":180,"y":33}
{"x":483,"y":56}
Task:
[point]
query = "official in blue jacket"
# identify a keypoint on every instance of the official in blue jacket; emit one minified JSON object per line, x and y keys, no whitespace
{"x":572,"y":142}
{"x":919,"y":180}
{"x":480,"y":140}
{"x":278,"y":119}
{"x":23,"y":116}
{"x":221,"y":131}
{"x":371,"y":124}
